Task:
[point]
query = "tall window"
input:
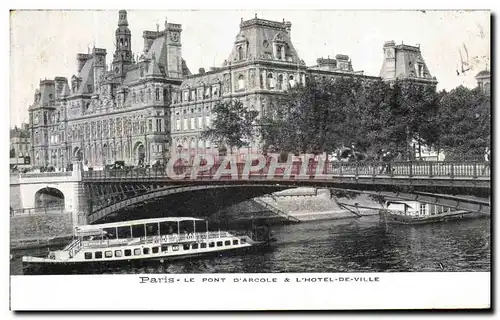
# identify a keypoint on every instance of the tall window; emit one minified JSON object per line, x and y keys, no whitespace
{"x":270,"y":81}
{"x":241,"y":82}
{"x":185,"y":124}
{"x":200,"y":122}
{"x":150,"y":125}
{"x":157,"y":94}
{"x":193,"y":123}
{"x":291,"y":81}
{"x":178,"y":124}
{"x":158,"y":125}
{"x":280,"y":82}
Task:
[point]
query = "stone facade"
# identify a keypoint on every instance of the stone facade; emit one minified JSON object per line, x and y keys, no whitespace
{"x":484,"y":81}
{"x":20,"y":145}
{"x":142,"y":111}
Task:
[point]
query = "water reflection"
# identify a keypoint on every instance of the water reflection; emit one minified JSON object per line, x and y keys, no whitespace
{"x":363,"y":245}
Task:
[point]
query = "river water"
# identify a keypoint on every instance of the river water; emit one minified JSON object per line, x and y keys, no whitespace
{"x":364,"y":245}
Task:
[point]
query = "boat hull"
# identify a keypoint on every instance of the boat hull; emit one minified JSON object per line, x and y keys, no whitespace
{"x":393,"y":218}
{"x":96,"y":267}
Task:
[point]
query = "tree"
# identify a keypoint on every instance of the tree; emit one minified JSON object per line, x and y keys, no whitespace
{"x":232,"y":125}
{"x":465,"y":121}
{"x":313,"y":117}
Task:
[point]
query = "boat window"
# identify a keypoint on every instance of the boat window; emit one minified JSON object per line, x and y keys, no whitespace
{"x":164,"y":248}
{"x":152,"y":229}
{"x":243,"y":240}
{"x":98,"y":255}
{"x":108,"y":254}
{"x":138,"y":230}
{"x":219,"y":243}
{"x":145,"y":250}
{"x":235,"y":242}
{"x":88,"y":255}
{"x":137,"y":252}
{"x":118,"y":253}
{"x":175,"y":247}
{"x":227,"y":242}
{"x":203,"y":245}
{"x":211,"y":244}
{"x":124,"y":232}
{"x":128,"y":252}
{"x":156,"y":249}
{"x":194,"y":246}
{"x":185,"y":247}
{"x":110,"y":233}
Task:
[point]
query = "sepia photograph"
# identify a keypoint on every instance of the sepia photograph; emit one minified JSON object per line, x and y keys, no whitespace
{"x":249,"y":146}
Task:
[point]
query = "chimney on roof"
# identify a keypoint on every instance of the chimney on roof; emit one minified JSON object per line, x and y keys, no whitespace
{"x":201,"y":71}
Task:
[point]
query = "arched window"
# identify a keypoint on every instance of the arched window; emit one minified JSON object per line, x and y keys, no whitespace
{"x":270,"y":81}
{"x":241,"y":82}
{"x":291,"y":81}
{"x":240,"y":53}
{"x":280,"y":82}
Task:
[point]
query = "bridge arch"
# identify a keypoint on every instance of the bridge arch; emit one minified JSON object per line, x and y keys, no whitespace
{"x":157,"y":194}
{"x":49,"y":197}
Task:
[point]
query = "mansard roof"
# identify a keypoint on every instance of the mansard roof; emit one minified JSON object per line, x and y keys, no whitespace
{"x":260,"y":34}
{"x":87,"y":77}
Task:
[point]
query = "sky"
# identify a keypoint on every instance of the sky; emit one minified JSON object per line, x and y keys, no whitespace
{"x":44,"y":44}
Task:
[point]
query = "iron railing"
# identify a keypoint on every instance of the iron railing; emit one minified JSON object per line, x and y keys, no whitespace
{"x":301,"y":171}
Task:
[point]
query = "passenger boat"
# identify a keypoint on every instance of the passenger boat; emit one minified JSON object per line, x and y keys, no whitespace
{"x":128,"y":242}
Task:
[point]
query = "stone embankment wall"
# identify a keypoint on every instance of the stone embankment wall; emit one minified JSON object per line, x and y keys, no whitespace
{"x":38,"y":229}
{"x":306,"y":204}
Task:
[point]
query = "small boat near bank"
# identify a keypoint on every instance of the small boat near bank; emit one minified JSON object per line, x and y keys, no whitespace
{"x":405,"y":213}
{"x":139,"y":241}
{"x":399,"y":218}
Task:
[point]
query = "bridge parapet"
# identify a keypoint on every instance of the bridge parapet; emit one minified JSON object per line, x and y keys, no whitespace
{"x":313,"y":170}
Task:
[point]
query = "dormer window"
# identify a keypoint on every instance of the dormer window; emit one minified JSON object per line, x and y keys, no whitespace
{"x":240,"y":53}
{"x":420,"y":70}
{"x":291,"y":81}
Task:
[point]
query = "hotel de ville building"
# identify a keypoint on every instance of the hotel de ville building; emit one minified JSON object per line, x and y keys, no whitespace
{"x":140,"y":110}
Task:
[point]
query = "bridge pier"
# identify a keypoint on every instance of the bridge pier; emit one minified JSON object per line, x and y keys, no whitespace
{"x":79,"y":201}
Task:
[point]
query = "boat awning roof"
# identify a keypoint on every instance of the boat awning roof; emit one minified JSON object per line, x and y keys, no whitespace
{"x":89,"y":228}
